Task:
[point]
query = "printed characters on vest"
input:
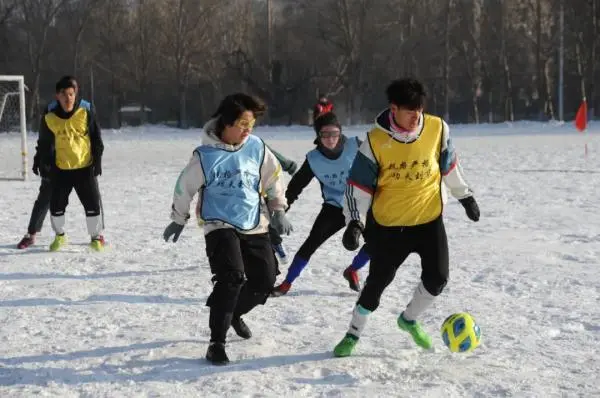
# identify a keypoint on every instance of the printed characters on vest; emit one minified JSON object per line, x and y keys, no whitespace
{"x":290,"y":167}
{"x":238,"y":180}
{"x":69,"y":152}
{"x":395,"y":181}
{"x":330,"y":163}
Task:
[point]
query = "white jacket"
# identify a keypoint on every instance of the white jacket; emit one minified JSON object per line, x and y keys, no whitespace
{"x":192,"y":179}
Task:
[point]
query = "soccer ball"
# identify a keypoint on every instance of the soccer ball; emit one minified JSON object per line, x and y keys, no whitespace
{"x":460,"y":333}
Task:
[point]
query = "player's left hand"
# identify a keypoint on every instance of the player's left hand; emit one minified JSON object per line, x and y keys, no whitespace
{"x":471,"y":208}
{"x":173,"y":230}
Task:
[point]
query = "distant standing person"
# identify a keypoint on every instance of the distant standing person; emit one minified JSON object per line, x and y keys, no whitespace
{"x":70,"y":146}
{"x":321,"y":107}
{"x":41,"y":206}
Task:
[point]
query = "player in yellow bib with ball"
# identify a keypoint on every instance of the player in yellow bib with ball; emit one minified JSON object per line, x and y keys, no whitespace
{"x":395,"y":185}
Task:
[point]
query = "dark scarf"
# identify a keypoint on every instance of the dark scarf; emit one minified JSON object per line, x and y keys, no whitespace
{"x":331,"y":153}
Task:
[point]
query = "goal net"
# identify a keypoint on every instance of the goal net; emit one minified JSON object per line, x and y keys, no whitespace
{"x":13,"y":128}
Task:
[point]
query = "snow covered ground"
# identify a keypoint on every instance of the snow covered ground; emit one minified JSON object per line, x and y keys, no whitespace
{"x":131,"y":322}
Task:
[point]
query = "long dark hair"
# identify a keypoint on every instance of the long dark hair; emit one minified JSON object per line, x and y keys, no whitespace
{"x":232,"y":107}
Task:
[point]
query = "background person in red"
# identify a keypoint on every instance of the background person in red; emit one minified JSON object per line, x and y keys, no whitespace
{"x":321,"y":107}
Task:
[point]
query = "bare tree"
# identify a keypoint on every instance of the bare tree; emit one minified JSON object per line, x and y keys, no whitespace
{"x":111,"y":18}
{"x":38,"y":19}
{"x":76,"y":16}
{"x":7,"y":7}
{"x":187,"y":35}
{"x":144,"y":32}
{"x":7,"y":11}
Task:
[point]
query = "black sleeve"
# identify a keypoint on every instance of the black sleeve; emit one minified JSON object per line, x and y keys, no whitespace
{"x":286,"y":163}
{"x":298,"y":182}
{"x":96,"y":139}
{"x":44,"y":151}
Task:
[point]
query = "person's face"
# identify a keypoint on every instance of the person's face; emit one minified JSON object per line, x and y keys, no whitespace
{"x":330,"y":136}
{"x":66,"y":98}
{"x":407,"y":119}
{"x":240,"y":129}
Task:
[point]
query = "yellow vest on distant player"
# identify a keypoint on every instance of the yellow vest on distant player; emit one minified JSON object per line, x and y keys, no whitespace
{"x":71,"y":139}
{"x":409,"y":183}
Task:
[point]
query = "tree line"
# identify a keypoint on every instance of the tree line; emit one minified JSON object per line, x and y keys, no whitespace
{"x":481,"y":60}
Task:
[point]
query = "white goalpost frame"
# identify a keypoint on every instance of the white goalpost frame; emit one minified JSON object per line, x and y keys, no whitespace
{"x":22,"y":116}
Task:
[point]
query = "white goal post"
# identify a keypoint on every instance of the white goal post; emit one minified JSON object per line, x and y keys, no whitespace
{"x":12,"y":113}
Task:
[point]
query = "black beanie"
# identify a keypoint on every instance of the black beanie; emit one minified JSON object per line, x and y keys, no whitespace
{"x":325,"y":119}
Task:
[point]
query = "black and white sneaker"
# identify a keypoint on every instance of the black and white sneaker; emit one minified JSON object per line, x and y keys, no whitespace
{"x":241,"y":328}
{"x":216,"y":354}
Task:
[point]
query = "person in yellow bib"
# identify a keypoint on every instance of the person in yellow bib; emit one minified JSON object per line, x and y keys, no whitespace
{"x":70,"y":146}
{"x":395,"y":185}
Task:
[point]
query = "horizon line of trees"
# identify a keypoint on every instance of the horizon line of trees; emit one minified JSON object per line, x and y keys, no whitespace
{"x":481,"y":60}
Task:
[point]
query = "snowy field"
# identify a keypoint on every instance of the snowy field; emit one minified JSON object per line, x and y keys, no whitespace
{"x":131,"y":321}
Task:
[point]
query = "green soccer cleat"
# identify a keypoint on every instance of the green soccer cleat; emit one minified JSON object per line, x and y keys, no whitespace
{"x":59,"y":241}
{"x":97,"y":243}
{"x":345,"y":347}
{"x":416,"y":331}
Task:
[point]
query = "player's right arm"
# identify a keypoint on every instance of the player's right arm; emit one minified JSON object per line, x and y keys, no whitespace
{"x":45,"y":146}
{"x":188,"y":184}
{"x":361,"y":185}
{"x":299,"y":181}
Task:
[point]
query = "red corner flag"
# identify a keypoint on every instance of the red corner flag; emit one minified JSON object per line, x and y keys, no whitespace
{"x":581,"y":116}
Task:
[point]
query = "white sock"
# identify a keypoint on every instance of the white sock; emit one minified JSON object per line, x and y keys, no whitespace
{"x":359,"y":320}
{"x":58,"y":224}
{"x":94,"y":225}
{"x":419,"y":303}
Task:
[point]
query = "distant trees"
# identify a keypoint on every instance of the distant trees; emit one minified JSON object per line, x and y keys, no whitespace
{"x":482,"y":60}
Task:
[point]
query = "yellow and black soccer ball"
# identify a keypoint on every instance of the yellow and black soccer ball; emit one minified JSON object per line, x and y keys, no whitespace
{"x":460,"y":333}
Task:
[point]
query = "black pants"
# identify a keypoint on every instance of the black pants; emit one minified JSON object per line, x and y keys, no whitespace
{"x":243,"y":268}
{"x":85,"y":185}
{"x":390,"y":246}
{"x":40,"y":207}
{"x":329,"y":221}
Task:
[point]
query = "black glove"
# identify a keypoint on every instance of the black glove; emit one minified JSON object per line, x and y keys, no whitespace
{"x":292,"y":167}
{"x":173,"y":230}
{"x":471,"y":207}
{"x":42,"y":170}
{"x":97,"y":169}
{"x":36,"y":165}
{"x":352,"y":234}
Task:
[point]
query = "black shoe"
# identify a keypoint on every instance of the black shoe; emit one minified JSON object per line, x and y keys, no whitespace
{"x":216,"y":354}
{"x":241,"y":328}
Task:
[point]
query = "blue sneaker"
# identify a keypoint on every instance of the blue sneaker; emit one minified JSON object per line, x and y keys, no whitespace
{"x":281,"y":253}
